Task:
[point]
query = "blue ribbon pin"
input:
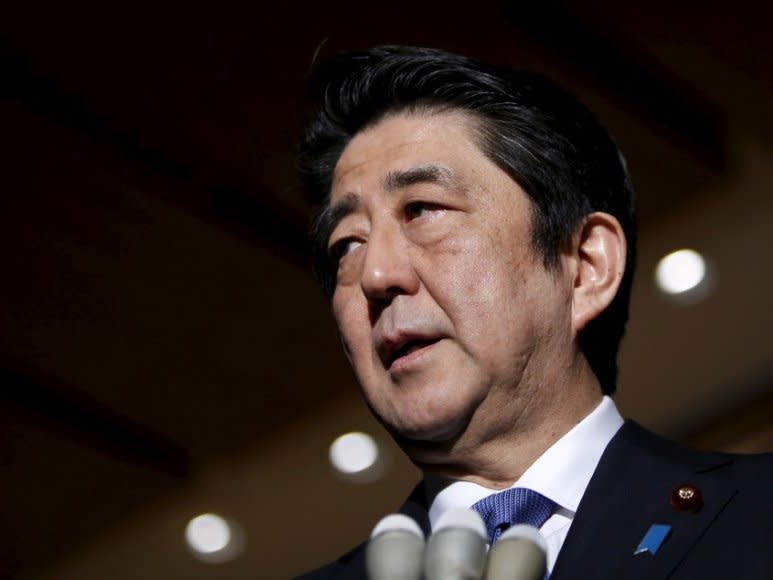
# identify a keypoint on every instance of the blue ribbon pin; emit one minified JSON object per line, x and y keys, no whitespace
{"x":653,"y":539}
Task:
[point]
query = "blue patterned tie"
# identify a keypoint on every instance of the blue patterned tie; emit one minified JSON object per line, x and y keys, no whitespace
{"x":517,"y":505}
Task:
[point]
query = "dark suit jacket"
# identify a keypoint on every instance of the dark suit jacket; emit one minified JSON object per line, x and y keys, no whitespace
{"x":731,"y":536}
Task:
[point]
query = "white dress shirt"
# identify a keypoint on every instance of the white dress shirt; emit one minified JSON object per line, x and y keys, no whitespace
{"x":561,"y":474}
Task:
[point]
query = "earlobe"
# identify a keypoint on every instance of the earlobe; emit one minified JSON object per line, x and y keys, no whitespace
{"x":599,"y":249}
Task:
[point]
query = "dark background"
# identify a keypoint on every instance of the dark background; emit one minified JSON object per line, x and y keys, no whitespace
{"x":164,"y":350}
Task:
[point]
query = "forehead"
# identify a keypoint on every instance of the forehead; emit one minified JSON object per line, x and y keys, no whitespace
{"x":407,"y":139}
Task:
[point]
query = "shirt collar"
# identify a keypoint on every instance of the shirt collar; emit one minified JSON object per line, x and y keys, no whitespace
{"x":561,"y":473}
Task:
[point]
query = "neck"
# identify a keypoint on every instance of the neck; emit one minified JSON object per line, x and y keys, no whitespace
{"x":494,"y":453}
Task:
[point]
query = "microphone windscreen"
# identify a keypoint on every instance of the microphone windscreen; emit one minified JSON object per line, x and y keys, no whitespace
{"x":395,"y":550}
{"x":462,"y":518}
{"x":456,"y":550}
{"x":520,"y":554}
{"x":394,"y":522}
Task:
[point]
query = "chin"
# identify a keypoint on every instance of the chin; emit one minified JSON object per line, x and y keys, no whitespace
{"x":428,"y":432}
{"x":426,"y":415}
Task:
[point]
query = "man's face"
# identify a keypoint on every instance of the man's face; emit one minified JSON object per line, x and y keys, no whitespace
{"x":446,"y":313}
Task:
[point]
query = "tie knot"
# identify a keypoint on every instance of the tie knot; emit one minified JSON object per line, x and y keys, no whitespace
{"x":517,"y":505}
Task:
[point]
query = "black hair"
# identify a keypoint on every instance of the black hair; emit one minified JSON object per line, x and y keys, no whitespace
{"x":540,"y":135}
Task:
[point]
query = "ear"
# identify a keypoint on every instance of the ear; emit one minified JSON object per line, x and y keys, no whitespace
{"x":598,"y":251}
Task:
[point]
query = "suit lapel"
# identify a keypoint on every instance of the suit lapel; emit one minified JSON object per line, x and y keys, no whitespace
{"x":416,"y":507}
{"x":629,"y":492}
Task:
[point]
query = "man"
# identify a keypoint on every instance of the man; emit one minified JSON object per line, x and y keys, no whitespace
{"x":477,"y":240}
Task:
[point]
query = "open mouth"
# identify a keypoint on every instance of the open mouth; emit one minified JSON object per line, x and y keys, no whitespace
{"x":409,"y":347}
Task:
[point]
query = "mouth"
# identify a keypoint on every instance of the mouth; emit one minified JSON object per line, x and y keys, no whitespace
{"x":402,"y":350}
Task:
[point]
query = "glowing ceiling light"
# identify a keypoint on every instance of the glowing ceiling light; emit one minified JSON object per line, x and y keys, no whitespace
{"x":208,"y":533}
{"x":354,"y":453}
{"x":212,"y":538}
{"x":680,"y":272}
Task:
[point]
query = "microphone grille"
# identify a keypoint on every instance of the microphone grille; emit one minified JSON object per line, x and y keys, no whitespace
{"x":462,"y":518}
{"x":526,"y":532}
{"x":397,"y":522}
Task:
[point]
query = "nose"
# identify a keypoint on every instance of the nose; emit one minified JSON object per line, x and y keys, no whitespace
{"x":388,"y":268}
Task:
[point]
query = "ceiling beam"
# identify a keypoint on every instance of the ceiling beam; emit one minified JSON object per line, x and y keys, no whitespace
{"x":646,"y":90}
{"x":64,"y":410}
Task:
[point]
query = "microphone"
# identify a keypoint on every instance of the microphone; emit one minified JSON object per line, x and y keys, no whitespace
{"x":457,"y":548}
{"x":520,"y":554}
{"x":395,"y":549}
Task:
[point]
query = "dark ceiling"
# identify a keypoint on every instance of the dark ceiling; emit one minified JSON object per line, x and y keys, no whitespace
{"x":160,"y":325}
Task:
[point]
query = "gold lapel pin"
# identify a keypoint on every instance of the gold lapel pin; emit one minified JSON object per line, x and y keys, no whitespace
{"x":686,"y":498}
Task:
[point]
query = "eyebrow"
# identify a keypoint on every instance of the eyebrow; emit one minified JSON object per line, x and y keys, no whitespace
{"x":429,"y":173}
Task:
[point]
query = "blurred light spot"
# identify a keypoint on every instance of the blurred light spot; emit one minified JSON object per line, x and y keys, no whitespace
{"x":208,"y":533}
{"x":680,"y":272}
{"x":212,"y":538}
{"x":354,"y":453}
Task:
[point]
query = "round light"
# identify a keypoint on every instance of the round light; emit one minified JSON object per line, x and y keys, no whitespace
{"x":353,"y":453}
{"x":208,"y":534}
{"x":680,"y":272}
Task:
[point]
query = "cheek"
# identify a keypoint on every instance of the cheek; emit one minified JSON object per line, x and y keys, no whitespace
{"x":352,"y":323}
{"x":469,"y":288}
{"x":494,"y":299}
{"x":489,"y":272}
{"x":461,"y":264}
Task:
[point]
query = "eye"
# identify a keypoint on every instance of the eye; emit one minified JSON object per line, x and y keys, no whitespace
{"x":417,"y":209}
{"x":342,"y":247}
